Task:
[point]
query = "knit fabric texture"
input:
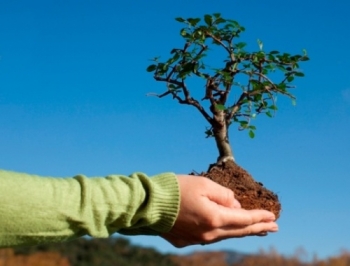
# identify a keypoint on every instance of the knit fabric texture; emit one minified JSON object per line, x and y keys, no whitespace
{"x":35,"y":209}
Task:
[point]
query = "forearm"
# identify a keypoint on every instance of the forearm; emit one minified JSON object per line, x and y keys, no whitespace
{"x":36,"y":209}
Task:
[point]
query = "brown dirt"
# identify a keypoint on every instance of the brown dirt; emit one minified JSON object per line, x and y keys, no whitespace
{"x":251,"y":194}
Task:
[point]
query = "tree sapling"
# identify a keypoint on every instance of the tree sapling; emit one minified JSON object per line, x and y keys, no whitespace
{"x":256,"y":78}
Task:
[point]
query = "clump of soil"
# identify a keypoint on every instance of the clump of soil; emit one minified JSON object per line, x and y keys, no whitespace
{"x":251,"y":194}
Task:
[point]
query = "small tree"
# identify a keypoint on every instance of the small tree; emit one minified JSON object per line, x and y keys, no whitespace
{"x":248,"y":73}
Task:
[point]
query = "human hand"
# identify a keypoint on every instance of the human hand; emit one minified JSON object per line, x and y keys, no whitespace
{"x":210,"y":213}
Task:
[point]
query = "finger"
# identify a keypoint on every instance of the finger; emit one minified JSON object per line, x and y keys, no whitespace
{"x":222,"y":195}
{"x":241,"y":217}
{"x":236,"y":204}
{"x":259,"y":229}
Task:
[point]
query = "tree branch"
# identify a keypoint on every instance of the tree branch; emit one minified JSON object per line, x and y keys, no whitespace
{"x":273,"y":85}
{"x":187,"y":98}
{"x":236,"y":106}
{"x":219,"y":41}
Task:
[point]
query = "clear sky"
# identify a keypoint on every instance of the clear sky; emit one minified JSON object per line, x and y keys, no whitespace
{"x":73,"y":100}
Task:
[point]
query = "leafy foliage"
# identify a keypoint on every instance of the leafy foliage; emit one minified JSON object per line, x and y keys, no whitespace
{"x":257,"y":93}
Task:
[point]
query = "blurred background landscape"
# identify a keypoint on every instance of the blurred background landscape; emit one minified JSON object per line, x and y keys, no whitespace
{"x":119,"y":251}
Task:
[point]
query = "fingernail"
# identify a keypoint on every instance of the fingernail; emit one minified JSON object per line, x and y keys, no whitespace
{"x":270,"y":219}
{"x":274,"y":228}
{"x":236,"y":204}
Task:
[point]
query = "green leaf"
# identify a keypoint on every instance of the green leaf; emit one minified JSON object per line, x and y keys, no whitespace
{"x":282,"y":86}
{"x":233,"y":22}
{"x":183,"y":32}
{"x":172,"y":87}
{"x":198,"y":34}
{"x":220,"y":107}
{"x":251,"y":134}
{"x":209,"y":133}
{"x":260,"y":55}
{"x":299,"y":74}
{"x":193,"y":21}
{"x":260,"y":45}
{"x":295,"y":65}
{"x":296,"y":57}
{"x":266,"y":71}
{"x":271,"y":57}
{"x":274,"y":52}
{"x":151,"y":68}
{"x":188,"y":67}
{"x":290,"y":78}
{"x":176,"y":57}
{"x":294,"y":102}
{"x":165,"y":67}
{"x":220,"y":20}
{"x":180,"y":19}
{"x":268,"y":114}
{"x":208,"y":19}
{"x":240,"y":45}
{"x":281,"y":67}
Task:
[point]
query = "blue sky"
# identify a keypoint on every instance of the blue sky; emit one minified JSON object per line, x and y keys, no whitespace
{"x":73,"y":100}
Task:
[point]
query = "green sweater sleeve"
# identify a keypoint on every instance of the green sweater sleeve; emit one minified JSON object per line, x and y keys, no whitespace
{"x":37,"y":209}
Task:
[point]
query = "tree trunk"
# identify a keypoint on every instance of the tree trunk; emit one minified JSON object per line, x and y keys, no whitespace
{"x":220,"y":130}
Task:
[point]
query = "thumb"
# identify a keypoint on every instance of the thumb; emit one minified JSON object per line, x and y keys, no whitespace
{"x":222,"y":195}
